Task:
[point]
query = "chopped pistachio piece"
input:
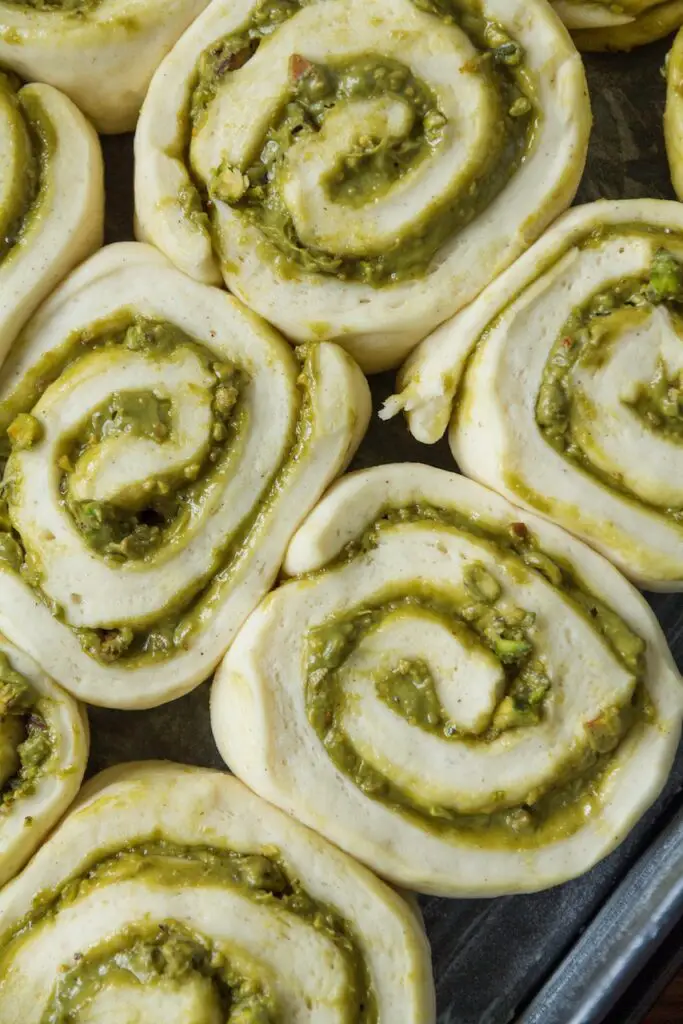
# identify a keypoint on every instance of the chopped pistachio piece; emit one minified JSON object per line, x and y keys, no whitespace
{"x":229,"y":184}
{"x":24,"y":431}
{"x":481,"y":584}
{"x":666,"y":278}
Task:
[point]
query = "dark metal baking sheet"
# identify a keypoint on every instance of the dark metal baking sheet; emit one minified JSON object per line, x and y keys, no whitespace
{"x":519,"y":958}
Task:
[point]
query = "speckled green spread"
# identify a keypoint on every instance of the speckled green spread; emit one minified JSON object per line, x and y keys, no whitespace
{"x":65,"y":6}
{"x":26,"y":743}
{"x":623,"y":7}
{"x":33,"y":136}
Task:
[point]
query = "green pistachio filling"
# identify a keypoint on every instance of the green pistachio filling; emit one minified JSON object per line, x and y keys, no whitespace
{"x":66,"y":6}
{"x":478,"y":616}
{"x":145,"y":521}
{"x":586,"y":341}
{"x":408,"y":688}
{"x":25,"y":740}
{"x":624,"y":7}
{"x":374,"y":164}
{"x":25,"y":431}
{"x":23,"y":187}
{"x":167,"y":954}
{"x":659,"y":403}
{"x":32,"y":138}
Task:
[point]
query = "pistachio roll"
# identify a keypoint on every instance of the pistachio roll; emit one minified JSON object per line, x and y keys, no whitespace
{"x":602,"y":25}
{"x":162,"y":444}
{"x":454,"y":691}
{"x":358,"y":170}
{"x":43,"y":750}
{"x":101,"y":53}
{"x":51,"y":197}
{"x":173,"y":893}
{"x":673,"y":115}
{"x":565,"y":378}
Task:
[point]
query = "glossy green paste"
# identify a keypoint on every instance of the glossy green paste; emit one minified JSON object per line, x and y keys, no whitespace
{"x":25,"y":741}
{"x":659,"y":404}
{"x":375,"y":164}
{"x":34,"y":137}
{"x":625,"y":6}
{"x":475,"y":618}
{"x":148,"y":522}
{"x":586,"y":341}
{"x":165,"y":952}
{"x":63,"y":6}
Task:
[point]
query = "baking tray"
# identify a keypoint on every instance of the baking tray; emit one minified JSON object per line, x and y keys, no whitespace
{"x":569,"y":955}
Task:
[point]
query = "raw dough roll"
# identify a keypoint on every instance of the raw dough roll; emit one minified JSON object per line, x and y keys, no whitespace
{"x":51,"y":197}
{"x":358,"y":170}
{"x":456,"y":692}
{"x":572,"y":403}
{"x":673,"y":115}
{"x":43,"y":751}
{"x":598,"y":25}
{"x":101,"y":53}
{"x":173,"y":893}
{"x":164,"y":445}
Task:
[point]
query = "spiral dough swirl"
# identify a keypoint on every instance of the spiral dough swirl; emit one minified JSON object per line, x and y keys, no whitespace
{"x":101,"y":53}
{"x":174,"y":891}
{"x":598,"y":25}
{"x":673,"y":115}
{"x":358,"y":170}
{"x":51,"y":197}
{"x":163,"y":445}
{"x":43,"y":751}
{"x":572,"y":403}
{"x":457,"y":693}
